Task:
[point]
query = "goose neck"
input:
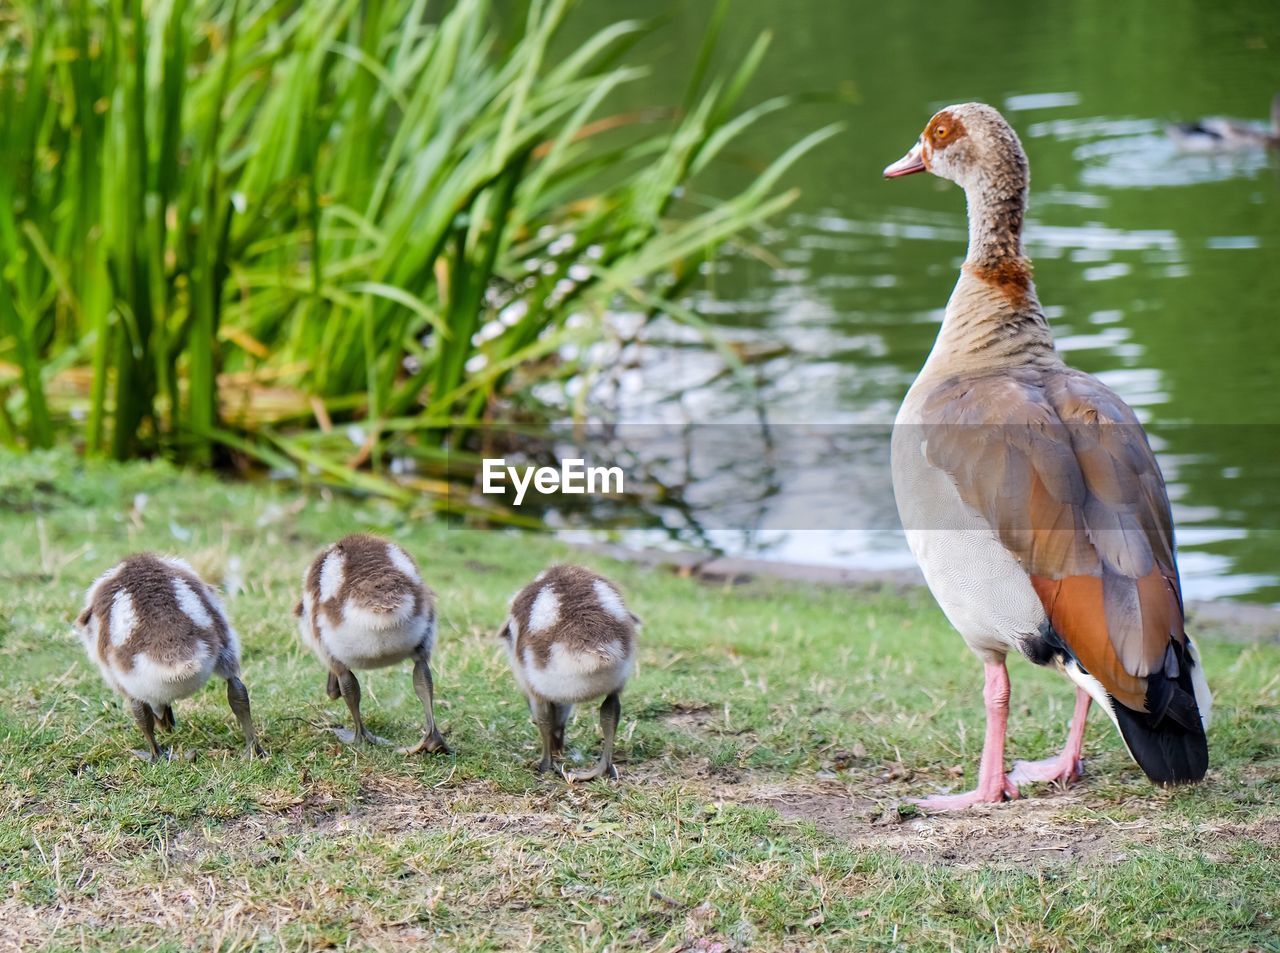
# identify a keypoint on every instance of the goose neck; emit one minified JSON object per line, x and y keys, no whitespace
{"x":996,"y":215}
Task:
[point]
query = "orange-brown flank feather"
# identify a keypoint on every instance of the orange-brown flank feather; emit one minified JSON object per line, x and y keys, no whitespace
{"x":1060,"y":469}
{"x":1077,"y":610}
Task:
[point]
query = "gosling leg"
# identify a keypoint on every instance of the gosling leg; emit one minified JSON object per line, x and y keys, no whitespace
{"x":562,"y":714}
{"x":146,"y":720}
{"x":432,"y":741}
{"x":238,"y":699}
{"x":164,"y":718}
{"x":350,"y":689}
{"x":545,"y":714}
{"x":610,"y":711}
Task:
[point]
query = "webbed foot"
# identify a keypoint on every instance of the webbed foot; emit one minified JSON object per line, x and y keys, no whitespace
{"x":598,"y":770}
{"x":365,"y":737}
{"x":1003,"y":790}
{"x":432,"y":743}
{"x":162,"y":754}
{"x":1058,"y":770}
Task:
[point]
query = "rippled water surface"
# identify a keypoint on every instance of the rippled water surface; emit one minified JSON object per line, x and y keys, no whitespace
{"x":1159,"y":269}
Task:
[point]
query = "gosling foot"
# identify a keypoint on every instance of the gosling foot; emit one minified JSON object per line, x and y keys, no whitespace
{"x":151,"y":757}
{"x":432,"y":743}
{"x":364,"y":737}
{"x":600,"y":769}
{"x":162,"y":754}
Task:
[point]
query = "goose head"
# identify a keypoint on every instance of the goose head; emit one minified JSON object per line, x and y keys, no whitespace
{"x":971,"y":145}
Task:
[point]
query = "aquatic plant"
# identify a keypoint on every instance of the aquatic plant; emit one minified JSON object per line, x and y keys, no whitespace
{"x":271,"y":229}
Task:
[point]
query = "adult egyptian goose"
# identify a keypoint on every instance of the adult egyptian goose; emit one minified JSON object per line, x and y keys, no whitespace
{"x":1032,"y":500}
{"x":1216,"y":134}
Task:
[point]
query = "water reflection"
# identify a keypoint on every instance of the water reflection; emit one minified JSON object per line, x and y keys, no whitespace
{"x":1156,"y":266}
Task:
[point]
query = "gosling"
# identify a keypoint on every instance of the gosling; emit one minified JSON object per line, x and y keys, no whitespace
{"x":157,"y":631}
{"x":364,"y":605}
{"x":571,"y":639}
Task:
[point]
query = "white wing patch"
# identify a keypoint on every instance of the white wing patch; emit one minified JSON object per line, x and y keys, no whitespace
{"x":307,"y":627}
{"x":89,"y":635}
{"x":332,"y":575}
{"x":610,"y":601}
{"x":124,"y":618}
{"x":545,"y":611}
{"x":1204,"y":699}
{"x":190,"y":603}
{"x":232,"y":650}
{"x":400,"y":559}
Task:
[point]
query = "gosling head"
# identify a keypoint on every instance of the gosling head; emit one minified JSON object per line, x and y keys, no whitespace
{"x":970,"y":144}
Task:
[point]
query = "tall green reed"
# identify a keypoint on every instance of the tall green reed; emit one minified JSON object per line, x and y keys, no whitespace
{"x":230,"y":223}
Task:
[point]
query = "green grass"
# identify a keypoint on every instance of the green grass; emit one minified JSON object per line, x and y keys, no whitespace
{"x":826,"y":705}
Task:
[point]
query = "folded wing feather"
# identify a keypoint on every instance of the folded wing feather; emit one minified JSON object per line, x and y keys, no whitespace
{"x":1061,"y":470}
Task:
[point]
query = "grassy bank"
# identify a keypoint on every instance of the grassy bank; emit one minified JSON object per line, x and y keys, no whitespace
{"x":765,"y":743}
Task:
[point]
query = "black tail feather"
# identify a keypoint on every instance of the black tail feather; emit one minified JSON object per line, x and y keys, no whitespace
{"x":1168,"y":739}
{"x":1169,"y":752}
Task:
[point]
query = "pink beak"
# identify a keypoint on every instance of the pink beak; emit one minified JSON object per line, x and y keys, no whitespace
{"x":912,"y":162}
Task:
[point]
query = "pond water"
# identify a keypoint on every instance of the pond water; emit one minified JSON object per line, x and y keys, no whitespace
{"x":1159,"y":270}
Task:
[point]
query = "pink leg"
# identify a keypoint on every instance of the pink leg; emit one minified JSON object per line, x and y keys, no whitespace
{"x":992,"y":785}
{"x":1063,"y":768}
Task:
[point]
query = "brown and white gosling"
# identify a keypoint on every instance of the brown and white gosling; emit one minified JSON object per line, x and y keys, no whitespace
{"x":364,"y":605}
{"x":570,"y":638}
{"x":158,"y":631}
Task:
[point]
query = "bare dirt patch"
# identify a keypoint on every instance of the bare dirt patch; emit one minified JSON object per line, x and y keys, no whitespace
{"x":1030,"y":833}
{"x":1264,"y":831}
{"x":1048,"y":828}
{"x":401,"y":805}
{"x":690,"y":716}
